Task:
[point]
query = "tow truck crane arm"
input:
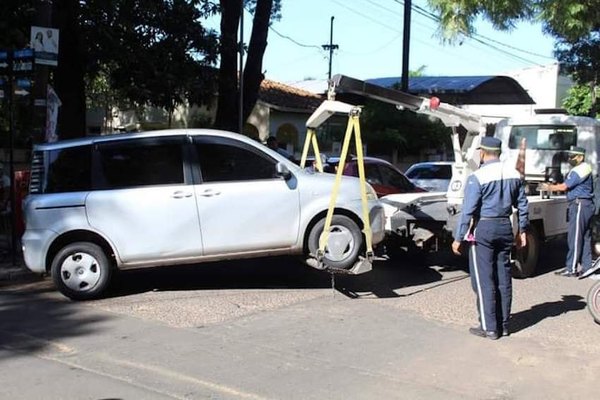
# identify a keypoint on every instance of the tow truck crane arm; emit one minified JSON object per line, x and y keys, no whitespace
{"x":466,"y":155}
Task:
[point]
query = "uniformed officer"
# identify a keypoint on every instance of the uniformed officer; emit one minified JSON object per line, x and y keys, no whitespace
{"x":579,"y":186}
{"x":490,"y":195}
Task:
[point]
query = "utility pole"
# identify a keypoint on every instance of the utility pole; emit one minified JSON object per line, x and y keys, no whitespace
{"x":406,"y":44}
{"x":331,"y":47}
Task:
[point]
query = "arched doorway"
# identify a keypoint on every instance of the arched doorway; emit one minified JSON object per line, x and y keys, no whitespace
{"x":287,"y":134}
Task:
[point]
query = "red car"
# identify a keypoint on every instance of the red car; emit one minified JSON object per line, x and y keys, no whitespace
{"x":383,"y":176}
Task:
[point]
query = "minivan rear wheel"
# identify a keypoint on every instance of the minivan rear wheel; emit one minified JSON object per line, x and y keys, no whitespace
{"x":345,"y":242}
{"x":81,"y":271}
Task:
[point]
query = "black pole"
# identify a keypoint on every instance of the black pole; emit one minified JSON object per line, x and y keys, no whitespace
{"x":406,"y":44}
{"x":11,"y":134}
{"x":331,"y":47}
{"x":241,"y":85}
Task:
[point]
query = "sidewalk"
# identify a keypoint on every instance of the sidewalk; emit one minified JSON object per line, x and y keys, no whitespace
{"x":16,"y":272}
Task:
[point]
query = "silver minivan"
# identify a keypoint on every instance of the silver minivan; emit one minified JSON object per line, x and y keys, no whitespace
{"x":172,"y":197}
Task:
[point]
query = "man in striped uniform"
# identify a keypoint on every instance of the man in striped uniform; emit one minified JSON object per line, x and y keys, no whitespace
{"x":490,"y":195}
{"x":579,"y":186}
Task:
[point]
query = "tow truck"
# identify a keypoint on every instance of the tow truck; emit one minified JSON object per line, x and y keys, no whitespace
{"x":421,"y":222}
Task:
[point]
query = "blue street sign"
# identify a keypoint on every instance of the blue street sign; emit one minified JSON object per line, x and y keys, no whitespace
{"x":24,"y":53}
{"x":23,"y":60}
{"x":23,"y":83}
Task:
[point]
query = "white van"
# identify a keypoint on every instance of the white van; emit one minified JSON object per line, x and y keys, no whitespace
{"x":178,"y":197}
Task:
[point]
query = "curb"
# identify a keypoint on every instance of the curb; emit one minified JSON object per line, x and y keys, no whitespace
{"x":13,"y":273}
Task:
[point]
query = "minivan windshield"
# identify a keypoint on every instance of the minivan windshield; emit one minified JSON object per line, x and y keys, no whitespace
{"x":543,"y":137}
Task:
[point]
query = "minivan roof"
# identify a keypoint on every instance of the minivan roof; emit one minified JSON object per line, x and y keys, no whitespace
{"x":136,"y":135}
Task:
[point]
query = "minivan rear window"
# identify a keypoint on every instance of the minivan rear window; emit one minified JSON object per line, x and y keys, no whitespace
{"x":69,"y":170}
{"x":140,"y":163}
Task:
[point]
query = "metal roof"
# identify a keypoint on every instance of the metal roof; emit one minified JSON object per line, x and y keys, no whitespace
{"x":463,"y":89}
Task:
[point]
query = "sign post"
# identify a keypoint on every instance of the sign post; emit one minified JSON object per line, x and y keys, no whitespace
{"x":16,"y":70}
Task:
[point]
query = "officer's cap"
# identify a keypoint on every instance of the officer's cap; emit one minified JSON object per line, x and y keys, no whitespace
{"x":576,"y":151}
{"x":490,"y":143}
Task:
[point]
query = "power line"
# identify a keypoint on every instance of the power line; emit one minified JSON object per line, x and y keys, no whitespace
{"x":294,"y":41}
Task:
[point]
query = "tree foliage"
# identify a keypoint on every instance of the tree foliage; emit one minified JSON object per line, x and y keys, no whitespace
{"x":561,"y":18}
{"x":154,"y":52}
{"x":579,"y":101}
{"x":581,"y":58}
{"x":386,"y":128}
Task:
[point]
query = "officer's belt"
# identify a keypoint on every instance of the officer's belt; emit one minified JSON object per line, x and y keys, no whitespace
{"x":493,"y":218}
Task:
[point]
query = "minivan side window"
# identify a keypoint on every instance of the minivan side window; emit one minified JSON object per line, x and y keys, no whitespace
{"x":69,"y":170}
{"x":140,"y":162}
{"x":224,"y":160}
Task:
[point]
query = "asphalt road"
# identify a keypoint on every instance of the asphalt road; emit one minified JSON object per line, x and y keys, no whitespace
{"x":273,"y":329}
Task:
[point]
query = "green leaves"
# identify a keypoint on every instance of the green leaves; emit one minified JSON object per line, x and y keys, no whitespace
{"x":561,"y":18}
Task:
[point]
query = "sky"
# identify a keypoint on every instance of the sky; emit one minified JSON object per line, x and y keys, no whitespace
{"x":369,"y":36}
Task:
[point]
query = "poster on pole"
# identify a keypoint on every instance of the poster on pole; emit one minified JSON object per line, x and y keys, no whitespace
{"x":44,"y":42}
{"x":52,"y":105}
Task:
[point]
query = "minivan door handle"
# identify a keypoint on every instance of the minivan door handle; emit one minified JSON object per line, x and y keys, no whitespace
{"x":180,"y":194}
{"x":210,"y":193}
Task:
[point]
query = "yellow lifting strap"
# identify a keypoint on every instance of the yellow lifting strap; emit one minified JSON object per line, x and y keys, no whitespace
{"x":311,"y":138}
{"x":353,"y":126}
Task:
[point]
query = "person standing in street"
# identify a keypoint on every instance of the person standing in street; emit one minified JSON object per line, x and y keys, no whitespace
{"x":273,"y":144}
{"x":485,"y":224}
{"x":579,"y":186}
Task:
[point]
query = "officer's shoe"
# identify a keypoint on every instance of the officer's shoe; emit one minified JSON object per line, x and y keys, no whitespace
{"x":566,"y":273}
{"x":477,"y":331}
{"x":505,"y":332}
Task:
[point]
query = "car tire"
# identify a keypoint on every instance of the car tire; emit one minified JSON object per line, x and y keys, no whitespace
{"x":345,"y":237}
{"x":81,"y":271}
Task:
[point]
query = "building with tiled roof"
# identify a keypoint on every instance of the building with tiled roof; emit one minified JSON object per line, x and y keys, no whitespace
{"x":282,"y":111}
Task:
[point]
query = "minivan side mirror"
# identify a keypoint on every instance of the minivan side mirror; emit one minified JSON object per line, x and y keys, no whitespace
{"x":283,"y":171}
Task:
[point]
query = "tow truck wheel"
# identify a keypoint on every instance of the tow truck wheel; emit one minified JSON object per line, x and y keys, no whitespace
{"x":593,"y":302}
{"x":526,"y":259}
{"x":345,"y":242}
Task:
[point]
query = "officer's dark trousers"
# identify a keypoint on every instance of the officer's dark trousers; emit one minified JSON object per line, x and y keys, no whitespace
{"x":579,"y":237}
{"x":489,"y":263}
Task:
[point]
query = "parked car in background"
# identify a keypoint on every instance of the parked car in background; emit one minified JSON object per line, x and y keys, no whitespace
{"x":382,"y":175}
{"x":125,"y":201}
{"x":433,"y":176}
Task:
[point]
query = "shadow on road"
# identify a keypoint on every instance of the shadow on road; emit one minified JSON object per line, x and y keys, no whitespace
{"x":272,"y":273}
{"x":34,"y":324}
{"x":524,"y":319}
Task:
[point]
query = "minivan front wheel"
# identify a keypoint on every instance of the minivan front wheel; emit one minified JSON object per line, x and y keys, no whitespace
{"x":344,"y":242}
{"x":81,"y":271}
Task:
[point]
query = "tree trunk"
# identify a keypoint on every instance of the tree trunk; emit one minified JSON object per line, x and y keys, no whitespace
{"x":227,"y":105}
{"x":69,"y":78}
{"x":594,"y":105}
{"x":253,"y":75}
